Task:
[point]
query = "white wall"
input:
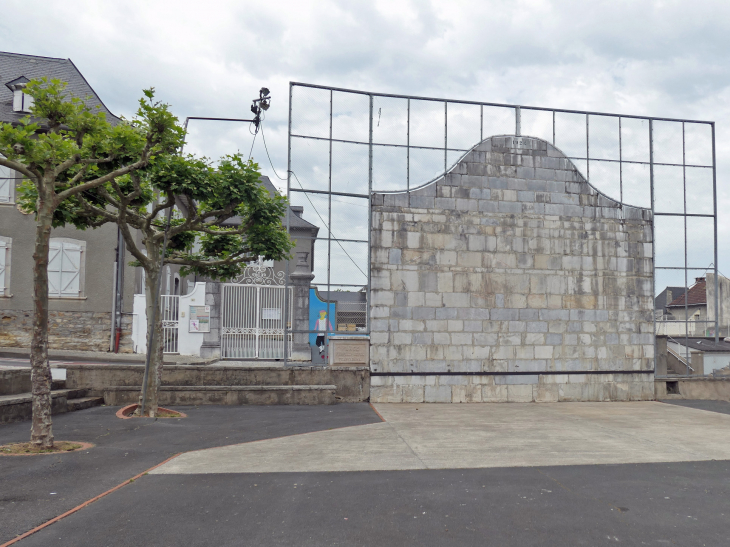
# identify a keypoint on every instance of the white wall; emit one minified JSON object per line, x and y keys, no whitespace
{"x":188,"y":342}
{"x":715,"y":361}
{"x":139,"y":324}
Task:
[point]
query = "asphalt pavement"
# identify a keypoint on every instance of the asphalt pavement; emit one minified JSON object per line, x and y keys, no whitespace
{"x":679,"y":503}
{"x":34,"y":489}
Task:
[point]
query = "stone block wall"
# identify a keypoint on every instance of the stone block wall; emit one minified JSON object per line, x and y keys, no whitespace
{"x":68,"y":330}
{"x":510,"y":279}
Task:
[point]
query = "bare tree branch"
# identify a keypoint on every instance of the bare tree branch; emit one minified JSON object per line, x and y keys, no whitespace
{"x":19,"y":167}
{"x":106,"y":178}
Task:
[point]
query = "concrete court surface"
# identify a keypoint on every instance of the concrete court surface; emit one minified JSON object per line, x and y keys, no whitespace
{"x":453,"y":436}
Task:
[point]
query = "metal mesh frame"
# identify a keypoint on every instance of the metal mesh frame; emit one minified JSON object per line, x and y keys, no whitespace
{"x":614,"y":162}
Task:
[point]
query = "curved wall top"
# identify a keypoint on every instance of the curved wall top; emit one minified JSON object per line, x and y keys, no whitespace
{"x":526,"y":165}
{"x":515,"y":149}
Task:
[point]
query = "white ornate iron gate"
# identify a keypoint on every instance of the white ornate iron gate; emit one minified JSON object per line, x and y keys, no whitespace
{"x":170,"y":310}
{"x":252,"y":316}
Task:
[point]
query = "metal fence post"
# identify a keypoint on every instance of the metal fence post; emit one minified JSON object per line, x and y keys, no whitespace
{"x":518,"y":121}
{"x":588,"y":151}
{"x":653,"y":233}
{"x":370,"y":202}
{"x":446,"y":136}
{"x":686,"y":280}
{"x":329,"y":233}
{"x":408,"y":151}
{"x":288,"y":319}
{"x":620,"y":165}
{"x":714,"y":222}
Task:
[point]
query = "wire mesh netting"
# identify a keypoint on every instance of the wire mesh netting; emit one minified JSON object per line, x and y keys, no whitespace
{"x":347,"y":144}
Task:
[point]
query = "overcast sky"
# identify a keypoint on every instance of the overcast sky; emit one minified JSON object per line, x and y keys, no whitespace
{"x":657,"y":58}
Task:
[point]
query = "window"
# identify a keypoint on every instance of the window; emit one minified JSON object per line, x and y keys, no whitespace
{"x":66,"y":268}
{"x":5,"y":245}
{"x":7,"y":185}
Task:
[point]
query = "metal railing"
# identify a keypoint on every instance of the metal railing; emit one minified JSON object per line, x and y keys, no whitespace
{"x":170,"y":313}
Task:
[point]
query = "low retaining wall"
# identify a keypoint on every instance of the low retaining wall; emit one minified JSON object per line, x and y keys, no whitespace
{"x":353,"y":383}
{"x":705,"y":388}
{"x":14,"y":381}
{"x":68,"y":330}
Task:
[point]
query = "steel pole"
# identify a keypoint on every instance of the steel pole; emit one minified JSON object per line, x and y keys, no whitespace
{"x":714,"y":222}
{"x":653,"y":232}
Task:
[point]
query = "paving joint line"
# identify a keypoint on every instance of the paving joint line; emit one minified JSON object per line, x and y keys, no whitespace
{"x":86,"y":503}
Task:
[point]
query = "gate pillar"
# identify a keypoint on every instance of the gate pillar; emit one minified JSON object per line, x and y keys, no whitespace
{"x":300,"y":279}
{"x":211,"y":346}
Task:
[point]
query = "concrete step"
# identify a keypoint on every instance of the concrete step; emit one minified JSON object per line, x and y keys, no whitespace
{"x":81,"y":403}
{"x":58,"y":384}
{"x":18,"y":407}
{"x":228,"y":395}
{"x":75,"y":393}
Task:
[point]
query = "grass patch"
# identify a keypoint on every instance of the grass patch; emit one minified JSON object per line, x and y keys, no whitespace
{"x":166,"y":413}
{"x":17,"y":449}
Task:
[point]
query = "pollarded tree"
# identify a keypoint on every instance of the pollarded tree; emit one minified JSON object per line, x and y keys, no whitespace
{"x":72,"y":150}
{"x":223,"y":219}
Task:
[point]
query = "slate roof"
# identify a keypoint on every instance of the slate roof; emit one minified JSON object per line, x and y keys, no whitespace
{"x":295,"y":221}
{"x":17,"y":65}
{"x":660,"y":302}
{"x":696,"y":296}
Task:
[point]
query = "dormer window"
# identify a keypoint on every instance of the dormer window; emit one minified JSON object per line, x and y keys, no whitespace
{"x":21,"y":100}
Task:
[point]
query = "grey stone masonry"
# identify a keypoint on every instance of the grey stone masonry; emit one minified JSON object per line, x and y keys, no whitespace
{"x":510,"y":263}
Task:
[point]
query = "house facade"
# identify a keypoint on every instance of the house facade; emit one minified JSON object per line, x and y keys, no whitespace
{"x":96,"y":299}
{"x":90,"y":296}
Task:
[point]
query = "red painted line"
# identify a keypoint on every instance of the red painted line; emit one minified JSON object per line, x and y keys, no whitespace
{"x":371,"y":406}
{"x":88,"y":502}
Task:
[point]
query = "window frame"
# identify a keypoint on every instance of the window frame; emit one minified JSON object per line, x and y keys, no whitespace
{"x":12,"y":182}
{"x":82,"y":268}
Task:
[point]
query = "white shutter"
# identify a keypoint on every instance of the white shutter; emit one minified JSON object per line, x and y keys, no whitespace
{"x":70,"y":269}
{"x":54,"y":269}
{"x":3,"y":253}
{"x":6,"y":181}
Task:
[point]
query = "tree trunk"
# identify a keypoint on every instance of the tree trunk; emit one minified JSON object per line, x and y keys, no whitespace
{"x":154,"y":379}
{"x":42,"y":426}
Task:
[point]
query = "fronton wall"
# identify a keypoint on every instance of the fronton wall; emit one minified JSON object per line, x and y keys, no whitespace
{"x":510,"y":279}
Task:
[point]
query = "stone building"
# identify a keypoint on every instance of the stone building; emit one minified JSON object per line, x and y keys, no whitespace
{"x":510,"y":279}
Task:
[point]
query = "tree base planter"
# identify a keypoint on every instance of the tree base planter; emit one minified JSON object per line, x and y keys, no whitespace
{"x":128,"y":412}
{"x":28,"y":449}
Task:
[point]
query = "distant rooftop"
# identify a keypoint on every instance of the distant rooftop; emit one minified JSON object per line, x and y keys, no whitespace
{"x":15,"y":66}
{"x":697,"y":295}
{"x":703,"y":344}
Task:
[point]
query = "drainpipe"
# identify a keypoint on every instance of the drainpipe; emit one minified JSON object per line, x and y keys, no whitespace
{"x":118,"y":292}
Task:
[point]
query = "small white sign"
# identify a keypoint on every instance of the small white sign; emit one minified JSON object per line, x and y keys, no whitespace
{"x":271,"y":313}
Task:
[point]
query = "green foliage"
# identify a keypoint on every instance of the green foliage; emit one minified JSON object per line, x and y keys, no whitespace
{"x":225,"y":217}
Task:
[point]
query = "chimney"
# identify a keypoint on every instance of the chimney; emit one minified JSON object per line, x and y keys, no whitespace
{"x":297,"y":210}
{"x":21,"y":101}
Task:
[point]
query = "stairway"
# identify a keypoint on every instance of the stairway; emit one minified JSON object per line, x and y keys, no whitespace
{"x":16,"y":407}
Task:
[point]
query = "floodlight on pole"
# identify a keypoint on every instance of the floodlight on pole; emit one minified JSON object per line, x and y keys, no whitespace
{"x":261,"y":104}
